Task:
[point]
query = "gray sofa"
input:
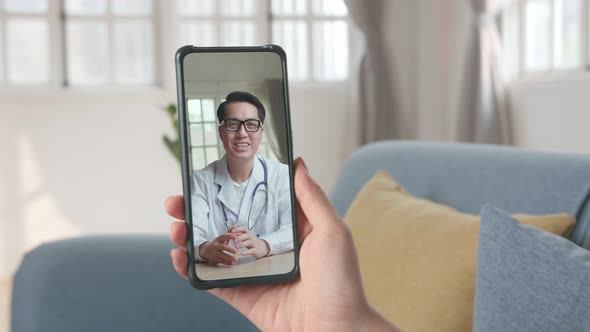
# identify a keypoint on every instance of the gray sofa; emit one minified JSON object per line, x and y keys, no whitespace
{"x":126,"y":283}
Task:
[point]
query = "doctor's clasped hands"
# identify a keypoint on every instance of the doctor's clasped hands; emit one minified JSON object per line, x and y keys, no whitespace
{"x":245,"y":239}
{"x":216,"y":251}
{"x":221,"y":251}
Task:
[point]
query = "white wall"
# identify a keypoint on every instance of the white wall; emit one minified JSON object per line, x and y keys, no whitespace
{"x":552,"y":113}
{"x":82,"y":164}
{"x":323,"y":130}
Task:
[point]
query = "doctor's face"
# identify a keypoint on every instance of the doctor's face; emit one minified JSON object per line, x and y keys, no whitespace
{"x":240,"y":144}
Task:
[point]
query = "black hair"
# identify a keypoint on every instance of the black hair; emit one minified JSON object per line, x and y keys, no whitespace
{"x":240,"y":96}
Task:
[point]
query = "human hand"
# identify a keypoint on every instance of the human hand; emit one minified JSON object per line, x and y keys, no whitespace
{"x":216,"y":251}
{"x":245,"y":239}
{"x":329,"y":294}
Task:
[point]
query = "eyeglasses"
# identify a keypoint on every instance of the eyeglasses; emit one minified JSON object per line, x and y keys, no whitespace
{"x":251,"y":125}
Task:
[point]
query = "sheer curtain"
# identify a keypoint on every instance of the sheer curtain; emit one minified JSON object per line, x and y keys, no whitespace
{"x":379,"y":116}
{"x":483,"y":116}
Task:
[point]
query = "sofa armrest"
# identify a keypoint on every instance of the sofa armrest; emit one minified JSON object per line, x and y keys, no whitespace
{"x":113,"y":283}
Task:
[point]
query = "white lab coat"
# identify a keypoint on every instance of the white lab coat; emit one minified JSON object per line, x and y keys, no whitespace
{"x":212,"y":185}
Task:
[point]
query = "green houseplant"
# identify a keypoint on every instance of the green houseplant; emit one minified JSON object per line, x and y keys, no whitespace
{"x":173,"y":144}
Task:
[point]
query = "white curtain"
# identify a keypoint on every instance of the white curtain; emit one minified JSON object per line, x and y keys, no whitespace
{"x":380,"y":118}
{"x":484,"y":116}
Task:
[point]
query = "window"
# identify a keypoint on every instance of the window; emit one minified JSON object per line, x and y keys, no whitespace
{"x":545,"y":35}
{"x":109,"y":42}
{"x":205,"y":147}
{"x":24,"y":42}
{"x":77,"y":42}
{"x":115,"y":42}
{"x":313,"y":33}
{"x":222,"y":22}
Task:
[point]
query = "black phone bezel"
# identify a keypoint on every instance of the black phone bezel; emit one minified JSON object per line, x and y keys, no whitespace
{"x":194,"y":280}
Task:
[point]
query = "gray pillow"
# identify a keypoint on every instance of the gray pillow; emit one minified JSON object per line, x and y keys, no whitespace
{"x":528,"y":279}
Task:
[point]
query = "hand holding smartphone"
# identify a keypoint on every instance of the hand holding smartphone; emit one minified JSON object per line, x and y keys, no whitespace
{"x":237,"y":165}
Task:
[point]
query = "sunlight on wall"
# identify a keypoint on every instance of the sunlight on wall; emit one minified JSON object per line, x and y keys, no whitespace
{"x":29,"y":177}
{"x":34,"y":217}
{"x":42,"y":222}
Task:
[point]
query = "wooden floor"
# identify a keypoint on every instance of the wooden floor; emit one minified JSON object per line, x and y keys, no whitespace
{"x":5,"y":288}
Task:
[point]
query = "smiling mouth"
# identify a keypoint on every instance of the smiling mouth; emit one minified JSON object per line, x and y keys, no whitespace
{"x":242,"y":145}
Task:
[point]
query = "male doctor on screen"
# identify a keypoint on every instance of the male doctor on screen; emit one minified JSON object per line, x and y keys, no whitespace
{"x":241,"y":204}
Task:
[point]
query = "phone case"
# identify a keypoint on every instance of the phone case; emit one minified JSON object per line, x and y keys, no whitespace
{"x":186,"y":171}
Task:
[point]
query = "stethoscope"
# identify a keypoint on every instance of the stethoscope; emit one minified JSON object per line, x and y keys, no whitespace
{"x":258,"y":185}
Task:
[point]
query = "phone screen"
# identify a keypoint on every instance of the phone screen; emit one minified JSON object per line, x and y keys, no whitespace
{"x":238,"y":165}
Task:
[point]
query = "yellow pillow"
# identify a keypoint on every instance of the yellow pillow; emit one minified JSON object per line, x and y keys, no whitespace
{"x":418,"y":258}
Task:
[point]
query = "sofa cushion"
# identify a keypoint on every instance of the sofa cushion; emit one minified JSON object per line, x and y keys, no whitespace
{"x":418,"y":258}
{"x":468,"y":176}
{"x":528,"y":279}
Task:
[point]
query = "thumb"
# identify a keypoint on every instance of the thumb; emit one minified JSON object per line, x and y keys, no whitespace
{"x":313,"y":201}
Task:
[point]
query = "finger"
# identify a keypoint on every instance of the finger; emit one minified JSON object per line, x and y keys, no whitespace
{"x":246,"y":244}
{"x":300,"y":160}
{"x":312,"y":199}
{"x":241,"y":229}
{"x":224,"y":258}
{"x":180,"y":262}
{"x":178,"y":233}
{"x":225,"y":237}
{"x":244,"y":237}
{"x":175,"y":206}
{"x":303,"y":226}
{"x":249,"y":252}
{"x":223,"y":247}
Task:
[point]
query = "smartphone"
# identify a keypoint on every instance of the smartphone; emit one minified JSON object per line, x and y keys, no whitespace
{"x":237,"y":165}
